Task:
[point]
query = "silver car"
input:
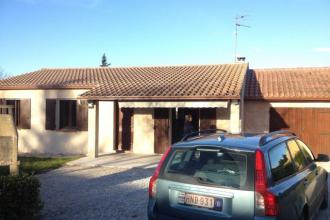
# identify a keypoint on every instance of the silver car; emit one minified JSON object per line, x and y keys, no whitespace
{"x":230,"y":176}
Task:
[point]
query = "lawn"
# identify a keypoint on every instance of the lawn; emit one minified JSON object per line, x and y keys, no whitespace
{"x":37,"y":165}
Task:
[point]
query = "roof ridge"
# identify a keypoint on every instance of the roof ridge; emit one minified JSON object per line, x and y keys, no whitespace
{"x":152,"y":66}
{"x":290,"y":68}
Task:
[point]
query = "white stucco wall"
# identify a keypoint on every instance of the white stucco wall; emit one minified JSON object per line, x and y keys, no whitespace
{"x":235,"y":117}
{"x":106,"y":128}
{"x":39,"y":140}
{"x":223,"y":118}
{"x":300,"y":104}
{"x":143,"y":137}
{"x":93,"y":131}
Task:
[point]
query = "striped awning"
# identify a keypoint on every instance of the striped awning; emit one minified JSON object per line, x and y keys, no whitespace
{"x":189,"y":104}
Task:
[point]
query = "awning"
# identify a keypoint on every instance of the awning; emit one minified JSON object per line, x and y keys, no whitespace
{"x":201,"y":104}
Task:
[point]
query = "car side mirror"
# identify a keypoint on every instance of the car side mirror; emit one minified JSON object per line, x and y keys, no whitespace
{"x":323,"y":158}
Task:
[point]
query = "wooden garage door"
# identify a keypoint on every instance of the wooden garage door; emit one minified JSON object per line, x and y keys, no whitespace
{"x":312,"y":125}
{"x":162,"y":142}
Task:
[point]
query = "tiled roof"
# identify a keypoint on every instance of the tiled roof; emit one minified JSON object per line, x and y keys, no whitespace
{"x":169,"y":82}
{"x":288,"y":84}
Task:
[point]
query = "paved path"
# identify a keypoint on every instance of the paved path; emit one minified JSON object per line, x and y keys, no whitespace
{"x":123,"y":160}
{"x":96,"y":190}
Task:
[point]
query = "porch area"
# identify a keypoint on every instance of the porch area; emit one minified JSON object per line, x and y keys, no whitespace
{"x":151,"y":127}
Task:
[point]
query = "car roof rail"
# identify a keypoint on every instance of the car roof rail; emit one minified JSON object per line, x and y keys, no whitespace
{"x":265,"y":139}
{"x":202,"y":132}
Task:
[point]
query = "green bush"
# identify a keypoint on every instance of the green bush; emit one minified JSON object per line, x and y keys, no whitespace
{"x":19,"y":197}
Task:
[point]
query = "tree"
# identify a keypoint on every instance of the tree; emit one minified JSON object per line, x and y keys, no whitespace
{"x":2,"y":74}
{"x":104,"y":62}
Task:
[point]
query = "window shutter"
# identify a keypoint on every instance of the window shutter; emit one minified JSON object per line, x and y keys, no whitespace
{"x":50,"y":114}
{"x":3,"y":110}
{"x":24,"y":113}
{"x":82,"y":115}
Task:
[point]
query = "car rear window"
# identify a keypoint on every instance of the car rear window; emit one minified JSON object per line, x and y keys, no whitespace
{"x":211,"y":166}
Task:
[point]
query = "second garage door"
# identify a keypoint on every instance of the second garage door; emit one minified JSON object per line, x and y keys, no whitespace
{"x":312,"y":125}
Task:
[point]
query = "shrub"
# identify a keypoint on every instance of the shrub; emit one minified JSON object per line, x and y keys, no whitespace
{"x":19,"y":197}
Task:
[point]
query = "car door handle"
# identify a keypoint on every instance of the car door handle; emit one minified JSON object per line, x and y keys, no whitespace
{"x":305,"y":182}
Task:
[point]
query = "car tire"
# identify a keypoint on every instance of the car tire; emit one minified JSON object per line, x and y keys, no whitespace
{"x":325,"y":201}
{"x":304,"y":215}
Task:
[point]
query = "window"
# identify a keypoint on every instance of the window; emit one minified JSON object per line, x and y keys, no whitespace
{"x":15,"y":110}
{"x":68,"y":114}
{"x":20,"y":110}
{"x":280,"y":162}
{"x":297,"y":155}
{"x":214,"y":166}
{"x":306,"y":151}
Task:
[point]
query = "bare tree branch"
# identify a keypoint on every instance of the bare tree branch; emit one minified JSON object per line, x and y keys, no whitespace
{"x":2,"y":74}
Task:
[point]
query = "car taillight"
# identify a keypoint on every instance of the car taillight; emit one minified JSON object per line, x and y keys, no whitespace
{"x":153,"y":179}
{"x":265,"y":201}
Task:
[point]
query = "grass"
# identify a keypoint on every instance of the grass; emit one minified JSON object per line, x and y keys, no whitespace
{"x":37,"y":165}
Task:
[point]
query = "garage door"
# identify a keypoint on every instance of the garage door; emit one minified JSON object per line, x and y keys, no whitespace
{"x":162,"y":142}
{"x":312,"y":125}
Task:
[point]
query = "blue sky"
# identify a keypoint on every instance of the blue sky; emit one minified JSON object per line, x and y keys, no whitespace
{"x":75,"y":33}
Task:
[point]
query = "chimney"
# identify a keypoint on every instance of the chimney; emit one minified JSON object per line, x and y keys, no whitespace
{"x":240,"y":59}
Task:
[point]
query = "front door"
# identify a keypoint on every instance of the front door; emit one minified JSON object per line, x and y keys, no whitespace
{"x":162,"y":142}
{"x":178,"y":122}
{"x":125,"y":129}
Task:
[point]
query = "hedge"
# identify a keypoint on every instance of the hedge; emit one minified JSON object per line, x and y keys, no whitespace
{"x":19,"y":197}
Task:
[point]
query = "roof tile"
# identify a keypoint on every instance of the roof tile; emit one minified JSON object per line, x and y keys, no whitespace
{"x":288,"y":84}
{"x":169,"y":82}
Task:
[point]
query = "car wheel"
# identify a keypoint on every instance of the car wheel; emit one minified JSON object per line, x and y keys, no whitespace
{"x":325,"y":202}
{"x":304,"y":215}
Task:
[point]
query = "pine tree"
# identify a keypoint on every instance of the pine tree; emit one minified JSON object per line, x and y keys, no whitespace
{"x":104,"y":62}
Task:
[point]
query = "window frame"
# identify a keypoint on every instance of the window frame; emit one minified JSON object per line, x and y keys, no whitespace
{"x":270,"y":164}
{"x":306,"y":162}
{"x":21,"y":111}
{"x":52,"y":118}
{"x":15,"y":110}
{"x":72,"y":116}
{"x":313,"y":159}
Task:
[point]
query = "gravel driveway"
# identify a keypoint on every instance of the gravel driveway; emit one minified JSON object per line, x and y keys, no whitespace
{"x":95,"y":193}
{"x":76,"y":192}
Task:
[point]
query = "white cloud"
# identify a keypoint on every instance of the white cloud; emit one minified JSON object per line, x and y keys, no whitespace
{"x":322,"y":49}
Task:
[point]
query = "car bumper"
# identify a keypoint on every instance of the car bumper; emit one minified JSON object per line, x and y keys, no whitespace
{"x":153,"y":214}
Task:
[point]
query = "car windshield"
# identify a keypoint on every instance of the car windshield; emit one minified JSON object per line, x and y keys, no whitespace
{"x":211,"y":166}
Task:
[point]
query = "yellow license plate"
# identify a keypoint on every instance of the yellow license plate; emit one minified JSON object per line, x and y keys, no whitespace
{"x":197,"y":200}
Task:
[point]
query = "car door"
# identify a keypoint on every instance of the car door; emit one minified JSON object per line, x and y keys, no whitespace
{"x":306,"y":171}
{"x":316,"y":177}
{"x":285,"y":183}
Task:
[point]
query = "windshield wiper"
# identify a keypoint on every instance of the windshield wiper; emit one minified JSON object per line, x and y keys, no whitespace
{"x":232,"y":172}
{"x":211,"y":182}
{"x":205,"y":180}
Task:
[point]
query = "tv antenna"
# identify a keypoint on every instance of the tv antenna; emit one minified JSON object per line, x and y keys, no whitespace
{"x":238,"y":24}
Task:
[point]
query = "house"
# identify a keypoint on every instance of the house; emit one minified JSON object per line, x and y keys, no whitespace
{"x":290,"y":98}
{"x":141,"y":109}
